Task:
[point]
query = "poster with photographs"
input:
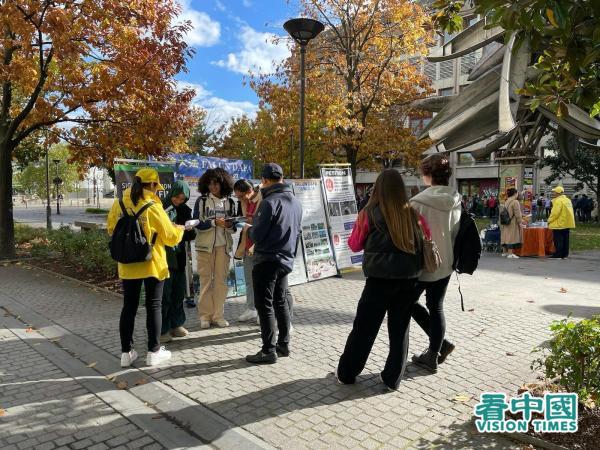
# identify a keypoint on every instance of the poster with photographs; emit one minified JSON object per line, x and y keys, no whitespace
{"x":342,"y":211}
{"x":318,"y":252}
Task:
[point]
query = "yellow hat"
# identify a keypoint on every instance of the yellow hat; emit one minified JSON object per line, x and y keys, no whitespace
{"x":558,"y":189}
{"x":148,"y":175}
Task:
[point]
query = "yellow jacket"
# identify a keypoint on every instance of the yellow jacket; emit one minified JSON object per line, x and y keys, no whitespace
{"x":562,"y":215}
{"x":154,"y":220}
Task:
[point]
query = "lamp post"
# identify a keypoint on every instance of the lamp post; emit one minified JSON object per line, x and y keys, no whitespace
{"x":48,"y":208}
{"x":57,"y":181}
{"x":302,"y":31}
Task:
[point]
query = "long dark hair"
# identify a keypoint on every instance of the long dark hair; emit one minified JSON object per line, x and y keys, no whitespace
{"x":401,"y":220}
{"x":137,"y":190}
{"x":220,"y":176}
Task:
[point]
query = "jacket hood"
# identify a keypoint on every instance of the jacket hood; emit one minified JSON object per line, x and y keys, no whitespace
{"x":178,"y":187}
{"x":279,"y":187}
{"x":443,"y":198}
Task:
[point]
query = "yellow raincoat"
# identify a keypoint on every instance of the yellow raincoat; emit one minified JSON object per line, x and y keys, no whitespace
{"x":562,"y":215}
{"x":154,"y":220}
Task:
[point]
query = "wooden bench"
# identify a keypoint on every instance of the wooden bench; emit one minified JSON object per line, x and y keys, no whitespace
{"x":87,"y":226}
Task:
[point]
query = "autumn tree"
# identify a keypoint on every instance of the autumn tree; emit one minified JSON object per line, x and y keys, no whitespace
{"x":105,"y":68}
{"x":362,"y":71}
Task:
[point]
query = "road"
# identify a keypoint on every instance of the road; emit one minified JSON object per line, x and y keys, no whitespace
{"x":36,"y":216}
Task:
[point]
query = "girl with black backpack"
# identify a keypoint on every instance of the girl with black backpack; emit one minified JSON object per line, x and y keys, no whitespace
{"x":141,"y":202}
{"x":391,"y":233}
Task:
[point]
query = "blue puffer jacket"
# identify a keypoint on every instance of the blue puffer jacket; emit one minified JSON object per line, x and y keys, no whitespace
{"x":277,"y":226}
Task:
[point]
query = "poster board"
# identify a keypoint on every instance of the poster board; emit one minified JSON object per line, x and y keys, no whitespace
{"x":527,"y":194}
{"x":316,"y":242}
{"x":125,"y":170}
{"x":342,"y":211}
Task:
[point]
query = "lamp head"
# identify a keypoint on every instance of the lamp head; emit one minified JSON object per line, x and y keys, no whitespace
{"x":303,"y":30}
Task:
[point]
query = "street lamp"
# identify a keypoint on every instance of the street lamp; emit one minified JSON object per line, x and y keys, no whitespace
{"x":48,"y":207}
{"x":57,"y":181}
{"x":303,"y":30}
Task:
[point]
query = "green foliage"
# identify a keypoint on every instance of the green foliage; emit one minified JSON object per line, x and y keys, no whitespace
{"x":573,"y":357}
{"x":25,"y":234}
{"x":96,"y":211}
{"x":564,"y":36}
{"x":585,"y":167}
{"x":32,"y":178}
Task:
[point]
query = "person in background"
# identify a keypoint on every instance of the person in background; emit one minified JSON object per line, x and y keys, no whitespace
{"x":249,"y":199}
{"x":561,"y":220}
{"x":548,"y":206}
{"x":541,"y":205}
{"x":486,"y":207}
{"x":275,"y":230}
{"x":173,"y":314}
{"x":576,"y":207}
{"x":493,"y":205}
{"x":214,"y":243}
{"x":440,"y":205}
{"x":512,"y":234}
{"x":391,"y":234}
{"x":366,"y":198}
{"x":152,"y":273}
{"x":587,"y":207}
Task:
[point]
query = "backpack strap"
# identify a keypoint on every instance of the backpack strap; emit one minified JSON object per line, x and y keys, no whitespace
{"x":462,"y":303}
{"x":125,"y":213}
{"x":142,"y":209}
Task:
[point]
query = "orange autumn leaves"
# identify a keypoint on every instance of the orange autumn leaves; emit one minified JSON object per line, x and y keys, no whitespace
{"x":105,"y":67}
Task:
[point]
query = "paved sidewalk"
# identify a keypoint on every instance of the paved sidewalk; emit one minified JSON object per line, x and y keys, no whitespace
{"x":213,"y":394}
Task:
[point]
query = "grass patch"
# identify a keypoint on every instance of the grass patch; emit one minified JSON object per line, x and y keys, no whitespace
{"x":96,"y":211}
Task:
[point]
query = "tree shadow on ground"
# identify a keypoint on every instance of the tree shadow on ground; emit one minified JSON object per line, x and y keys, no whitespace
{"x":578,"y":311}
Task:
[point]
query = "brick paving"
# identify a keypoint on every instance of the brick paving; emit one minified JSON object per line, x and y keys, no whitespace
{"x":295,"y":403}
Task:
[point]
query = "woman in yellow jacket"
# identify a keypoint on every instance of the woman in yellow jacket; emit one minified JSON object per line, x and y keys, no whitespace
{"x":561,"y":220}
{"x":152,"y":273}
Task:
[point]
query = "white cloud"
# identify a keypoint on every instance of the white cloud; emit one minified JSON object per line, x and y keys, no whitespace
{"x":220,"y":6}
{"x":260,"y":54}
{"x":220,"y":111}
{"x":205,"y":32}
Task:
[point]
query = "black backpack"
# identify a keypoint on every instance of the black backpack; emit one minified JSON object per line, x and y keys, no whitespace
{"x":467,"y":248}
{"x":128,"y":243}
{"x":505,"y":218}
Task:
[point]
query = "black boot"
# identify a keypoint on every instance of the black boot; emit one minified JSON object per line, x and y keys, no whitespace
{"x":427,"y":360}
{"x":283,"y":350}
{"x":447,"y":348}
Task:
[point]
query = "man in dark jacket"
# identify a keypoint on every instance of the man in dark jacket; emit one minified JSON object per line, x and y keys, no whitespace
{"x":275,"y":231}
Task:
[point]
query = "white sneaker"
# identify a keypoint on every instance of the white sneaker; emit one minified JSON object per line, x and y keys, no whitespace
{"x":204,"y":324}
{"x":221,"y":323}
{"x":504,"y":254}
{"x":248,"y":315}
{"x":291,"y":330}
{"x":128,"y":358}
{"x":158,"y":357}
{"x":513,"y":256}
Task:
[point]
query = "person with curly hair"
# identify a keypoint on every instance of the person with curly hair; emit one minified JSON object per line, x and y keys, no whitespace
{"x":214,"y":242}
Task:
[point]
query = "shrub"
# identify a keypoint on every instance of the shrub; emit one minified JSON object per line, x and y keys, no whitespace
{"x":573,"y":357}
{"x":96,"y":211}
{"x":25,"y":234}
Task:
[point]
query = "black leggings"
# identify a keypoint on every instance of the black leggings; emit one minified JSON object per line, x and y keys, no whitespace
{"x":131,"y":300}
{"x":432,"y":318}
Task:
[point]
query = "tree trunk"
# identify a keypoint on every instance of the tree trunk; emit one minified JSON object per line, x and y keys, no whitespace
{"x":7,"y":232}
{"x":351,"y":156}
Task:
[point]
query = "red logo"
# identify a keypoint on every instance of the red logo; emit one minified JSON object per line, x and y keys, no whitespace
{"x":329,"y":184}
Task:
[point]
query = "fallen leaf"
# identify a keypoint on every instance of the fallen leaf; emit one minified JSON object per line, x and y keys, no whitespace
{"x":510,"y":354}
{"x":122,"y":385}
{"x":530,"y":301}
{"x":462,"y":398}
{"x":480,"y":333}
{"x":29,"y":330}
{"x":141,"y":381}
{"x":111,"y":378}
{"x":92,"y":365}
{"x":471,"y":310}
{"x":563,"y":290}
{"x":2,"y":412}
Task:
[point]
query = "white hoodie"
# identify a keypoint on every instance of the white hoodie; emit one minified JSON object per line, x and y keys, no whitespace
{"x":441,"y":207}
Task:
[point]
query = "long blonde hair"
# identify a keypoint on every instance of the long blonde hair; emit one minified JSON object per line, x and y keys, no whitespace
{"x":401,"y":220}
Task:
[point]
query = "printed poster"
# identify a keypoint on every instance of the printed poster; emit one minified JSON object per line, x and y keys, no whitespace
{"x":342,"y":212}
{"x":125,"y":170}
{"x":527,"y":194}
{"x":318,"y":250}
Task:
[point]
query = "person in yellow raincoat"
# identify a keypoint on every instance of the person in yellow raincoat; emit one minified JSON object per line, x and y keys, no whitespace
{"x":152,"y":273}
{"x":561,"y":220}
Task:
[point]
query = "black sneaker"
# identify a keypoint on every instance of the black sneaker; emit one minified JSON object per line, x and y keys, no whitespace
{"x":283,"y":350}
{"x":447,"y":348}
{"x":428,"y":360}
{"x":262,"y":358}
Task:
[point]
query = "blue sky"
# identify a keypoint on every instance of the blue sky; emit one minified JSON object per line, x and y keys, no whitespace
{"x":231,"y":37}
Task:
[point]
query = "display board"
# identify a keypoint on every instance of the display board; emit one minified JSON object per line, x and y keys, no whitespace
{"x":318,"y":252}
{"x":125,"y":170}
{"x":342,"y":211}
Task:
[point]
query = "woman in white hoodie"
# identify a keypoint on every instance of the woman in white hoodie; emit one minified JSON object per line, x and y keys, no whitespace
{"x":441,"y":207}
